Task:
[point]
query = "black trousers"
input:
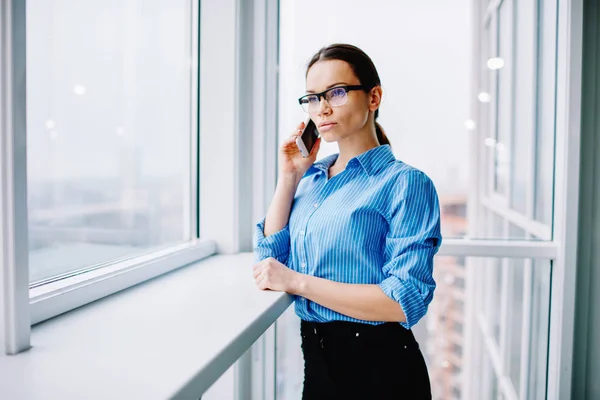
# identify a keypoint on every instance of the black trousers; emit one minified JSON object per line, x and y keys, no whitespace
{"x":347,"y":360}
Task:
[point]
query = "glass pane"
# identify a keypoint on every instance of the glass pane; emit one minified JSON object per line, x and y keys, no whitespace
{"x":489,"y":382}
{"x":528,"y":306}
{"x":544,"y":179}
{"x":515,"y":320}
{"x":498,"y":226}
{"x":108,"y":118}
{"x":487,"y":110}
{"x":540,"y":326}
{"x":441,"y":333}
{"x":505,"y":101}
{"x":524,"y":104}
{"x":495,"y":281}
{"x":516,"y":232}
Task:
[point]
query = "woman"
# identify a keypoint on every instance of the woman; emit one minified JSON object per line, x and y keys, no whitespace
{"x":353,"y":238}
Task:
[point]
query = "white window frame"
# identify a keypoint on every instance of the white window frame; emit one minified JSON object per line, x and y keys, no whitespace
{"x":13,"y":184}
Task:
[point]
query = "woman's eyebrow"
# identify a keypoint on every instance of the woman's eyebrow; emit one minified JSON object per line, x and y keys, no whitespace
{"x":329,"y":87}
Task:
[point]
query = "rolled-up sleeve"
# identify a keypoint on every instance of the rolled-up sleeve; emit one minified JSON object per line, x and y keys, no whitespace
{"x":276,"y":245}
{"x":413,"y":239}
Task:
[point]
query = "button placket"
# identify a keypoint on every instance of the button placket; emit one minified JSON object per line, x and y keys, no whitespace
{"x":303,"y":262}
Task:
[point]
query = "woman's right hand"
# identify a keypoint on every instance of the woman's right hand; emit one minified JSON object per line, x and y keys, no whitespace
{"x":291,"y":162}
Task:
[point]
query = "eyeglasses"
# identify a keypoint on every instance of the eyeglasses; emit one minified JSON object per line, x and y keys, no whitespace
{"x":336,"y":96}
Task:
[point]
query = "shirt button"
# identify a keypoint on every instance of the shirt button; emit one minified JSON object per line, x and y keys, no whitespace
{"x":303,"y":265}
{"x":316,"y":205}
{"x":302,"y":233}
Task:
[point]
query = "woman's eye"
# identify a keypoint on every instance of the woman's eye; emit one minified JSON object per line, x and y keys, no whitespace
{"x":337,"y":92}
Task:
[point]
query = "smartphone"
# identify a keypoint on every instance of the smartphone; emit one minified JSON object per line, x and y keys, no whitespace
{"x":308,"y":138}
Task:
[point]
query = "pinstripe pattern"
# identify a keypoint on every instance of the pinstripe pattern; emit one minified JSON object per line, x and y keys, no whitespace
{"x":376,"y":222}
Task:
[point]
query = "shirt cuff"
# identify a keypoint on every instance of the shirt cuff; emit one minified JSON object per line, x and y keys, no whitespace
{"x":407,"y":296}
{"x":276,"y":245}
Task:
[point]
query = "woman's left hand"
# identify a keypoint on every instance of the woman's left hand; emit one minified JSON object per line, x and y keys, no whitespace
{"x":273,"y":275}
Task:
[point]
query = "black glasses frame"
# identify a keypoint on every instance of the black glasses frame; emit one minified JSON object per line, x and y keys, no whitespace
{"x":323,"y":94}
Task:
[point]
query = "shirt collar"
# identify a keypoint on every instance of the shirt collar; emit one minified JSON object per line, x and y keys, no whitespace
{"x":326,"y":162}
{"x":371,"y":160}
{"x":375,"y":159}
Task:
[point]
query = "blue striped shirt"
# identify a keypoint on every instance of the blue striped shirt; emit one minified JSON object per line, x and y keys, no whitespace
{"x":376,"y":222}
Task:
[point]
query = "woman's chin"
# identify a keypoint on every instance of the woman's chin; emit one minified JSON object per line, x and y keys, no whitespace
{"x":328,"y":137}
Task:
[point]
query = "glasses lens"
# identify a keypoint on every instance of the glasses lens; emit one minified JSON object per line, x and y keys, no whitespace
{"x":310,"y":103}
{"x":337,"y":97}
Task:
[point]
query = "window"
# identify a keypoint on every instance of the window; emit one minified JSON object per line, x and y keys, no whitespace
{"x":518,"y":121}
{"x":110,"y":121}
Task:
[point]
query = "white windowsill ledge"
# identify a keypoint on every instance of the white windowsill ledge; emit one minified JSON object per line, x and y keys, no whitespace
{"x":171,"y":337}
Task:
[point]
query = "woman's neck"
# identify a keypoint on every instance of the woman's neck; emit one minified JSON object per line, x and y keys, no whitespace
{"x":353,"y":146}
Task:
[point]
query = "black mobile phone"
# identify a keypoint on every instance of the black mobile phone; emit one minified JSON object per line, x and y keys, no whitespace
{"x":308,"y":138}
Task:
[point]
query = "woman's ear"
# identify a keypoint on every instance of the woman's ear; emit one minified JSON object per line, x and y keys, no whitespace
{"x":375,"y":98}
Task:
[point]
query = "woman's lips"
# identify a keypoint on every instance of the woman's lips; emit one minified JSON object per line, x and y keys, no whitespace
{"x":326,"y":127}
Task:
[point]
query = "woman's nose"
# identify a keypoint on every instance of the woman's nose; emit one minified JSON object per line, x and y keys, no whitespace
{"x":324,"y":108}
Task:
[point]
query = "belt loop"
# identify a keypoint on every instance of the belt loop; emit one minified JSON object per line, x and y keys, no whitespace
{"x":314,"y":326}
{"x":318,"y":334}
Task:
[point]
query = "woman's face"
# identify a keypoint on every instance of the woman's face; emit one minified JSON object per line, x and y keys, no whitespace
{"x":336,"y":123}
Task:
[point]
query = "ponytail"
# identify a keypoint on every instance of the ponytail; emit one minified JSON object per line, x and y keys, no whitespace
{"x":381,"y":136}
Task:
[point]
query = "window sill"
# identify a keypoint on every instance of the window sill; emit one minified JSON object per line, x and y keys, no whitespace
{"x":55,"y":298}
{"x":167,"y":338}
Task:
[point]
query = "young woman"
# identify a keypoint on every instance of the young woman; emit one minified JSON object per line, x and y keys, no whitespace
{"x":353,"y":238}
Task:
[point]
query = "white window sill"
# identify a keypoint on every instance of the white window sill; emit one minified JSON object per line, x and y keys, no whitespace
{"x":171,"y":337}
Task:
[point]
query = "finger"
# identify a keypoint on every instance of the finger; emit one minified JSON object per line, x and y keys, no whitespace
{"x":258,"y":270}
{"x":292,"y":138}
{"x":298,"y":130}
{"x":262,"y":281}
{"x":259,"y":275}
{"x":290,"y":141}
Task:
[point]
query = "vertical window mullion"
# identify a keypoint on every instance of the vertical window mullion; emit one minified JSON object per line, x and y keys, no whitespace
{"x":13,"y":180}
